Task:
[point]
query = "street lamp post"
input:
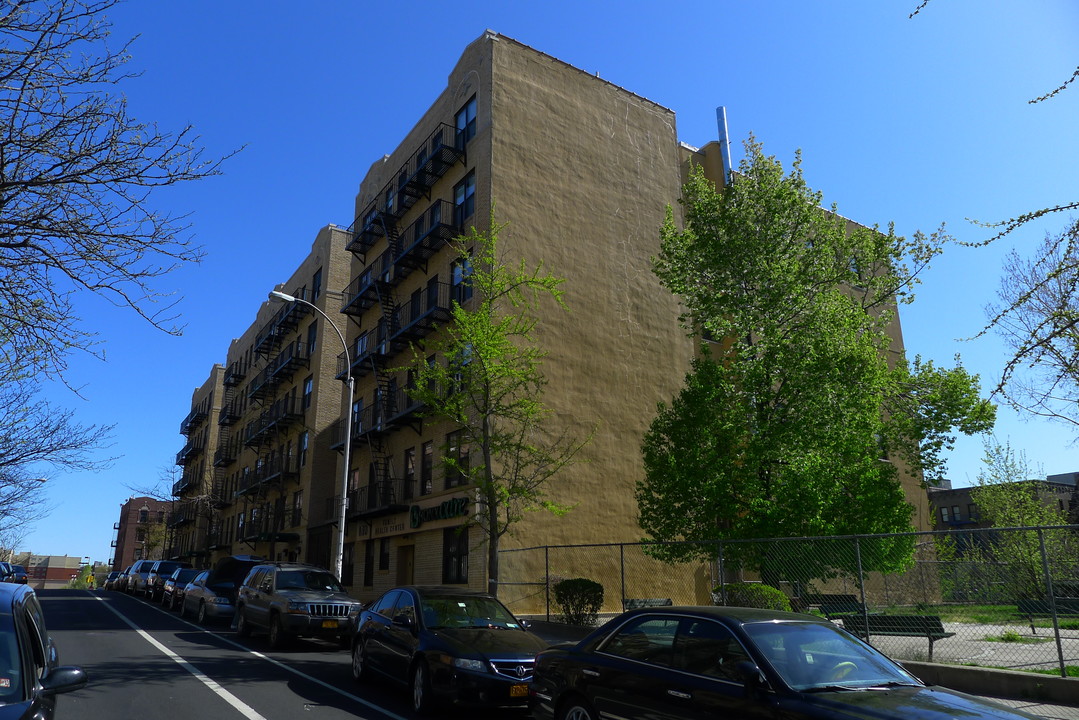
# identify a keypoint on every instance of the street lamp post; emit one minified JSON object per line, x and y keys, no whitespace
{"x":339,"y":553}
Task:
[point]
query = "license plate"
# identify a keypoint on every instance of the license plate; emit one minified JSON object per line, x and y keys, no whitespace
{"x":329,"y":624}
{"x":519,"y":690}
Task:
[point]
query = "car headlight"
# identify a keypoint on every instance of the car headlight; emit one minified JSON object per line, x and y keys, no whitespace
{"x":473,"y":665}
{"x":297,"y":607}
{"x":354,"y":610}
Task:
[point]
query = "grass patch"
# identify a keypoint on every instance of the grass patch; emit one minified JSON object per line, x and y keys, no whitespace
{"x":1010,"y":636}
{"x":1071,"y":670}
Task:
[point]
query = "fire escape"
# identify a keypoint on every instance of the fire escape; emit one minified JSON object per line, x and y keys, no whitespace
{"x":398,"y":323}
{"x":267,"y":432}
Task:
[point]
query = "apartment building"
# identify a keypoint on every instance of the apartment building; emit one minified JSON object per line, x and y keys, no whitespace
{"x":257,"y":469}
{"x":581,"y":172}
{"x":141,"y":531}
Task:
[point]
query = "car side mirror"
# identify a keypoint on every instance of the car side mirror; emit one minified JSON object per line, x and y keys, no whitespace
{"x":404,"y":621}
{"x":63,"y":679}
{"x":526,"y":624}
{"x":751,"y":675}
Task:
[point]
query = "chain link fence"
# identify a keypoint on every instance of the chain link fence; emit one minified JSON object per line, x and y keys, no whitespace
{"x":994,"y":597}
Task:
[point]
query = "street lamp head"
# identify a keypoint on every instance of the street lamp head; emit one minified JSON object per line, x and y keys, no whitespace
{"x":278,"y":295}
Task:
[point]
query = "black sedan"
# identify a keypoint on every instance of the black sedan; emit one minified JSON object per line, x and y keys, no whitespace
{"x":447,"y":645}
{"x":30,"y":673}
{"x":715,"y":662}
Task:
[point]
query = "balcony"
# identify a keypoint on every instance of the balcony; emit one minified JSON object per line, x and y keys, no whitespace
{"x":426,"y":236}
{"x":403,"y":409}
{"x":418,"y":317}
{"x":283,"y":414}
{"x":235,"y":373}
{"x":281,"y":324}
{"x":230,"y":412}
{"x":186,"y":482}
{"x":190,"y":451}
{"x":372,"y":286}
{"x":372,"y":349}
{"x":437,"y":154}
{"x":227,"y":452}
{"x":384,"y":496}
{"x":195,"y":418}
{"x":184,"y":513}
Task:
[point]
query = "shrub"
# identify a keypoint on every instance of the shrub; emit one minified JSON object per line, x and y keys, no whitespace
{"x":754,"y":595}
{"x":579,"y":599}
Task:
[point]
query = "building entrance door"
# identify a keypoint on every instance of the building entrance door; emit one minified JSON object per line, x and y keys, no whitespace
{"x":406,"y":563}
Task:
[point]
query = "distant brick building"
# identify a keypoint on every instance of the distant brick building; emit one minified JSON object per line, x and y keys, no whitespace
{"x":141,"y":531}
{"x":48,"y":571}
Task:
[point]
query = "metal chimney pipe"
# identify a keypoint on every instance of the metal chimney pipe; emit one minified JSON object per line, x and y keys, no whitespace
{"x":724,"y":143}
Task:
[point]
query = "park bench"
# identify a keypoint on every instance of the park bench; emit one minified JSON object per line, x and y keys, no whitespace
{"x":927,"y":626}
{"x":634,"y":603}
{"x":1065,"y":607}
{"x":839,"y":610}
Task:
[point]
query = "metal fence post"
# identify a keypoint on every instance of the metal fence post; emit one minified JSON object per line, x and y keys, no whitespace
{"x":547,"y":578}
{"x":722,"y":574}
{"x":861,"y":585}
{"x":622,"y":572}
{"x":1052,"y":602}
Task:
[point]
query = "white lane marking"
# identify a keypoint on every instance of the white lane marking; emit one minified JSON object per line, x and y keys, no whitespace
{"x":278,"y":663}
{"x":225,"y":695}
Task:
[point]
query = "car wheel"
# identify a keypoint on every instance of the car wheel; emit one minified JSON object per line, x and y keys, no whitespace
{"x":183,"y":609}
{"x":359,"y":661}
{"x":577,"y":708}
{"x":242,"y":628}
{"x":421,"y":688}
{"x":278,"y":636}
{"x":202,"y":614}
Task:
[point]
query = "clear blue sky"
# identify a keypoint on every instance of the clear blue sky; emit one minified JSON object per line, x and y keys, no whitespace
{"x":917,"y":121}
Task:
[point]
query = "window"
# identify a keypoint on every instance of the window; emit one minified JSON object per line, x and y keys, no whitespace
{"x":357,"y":416}
{"x":369,"y":563}
{"x":297,"y":508}
{"x":455,"y":555}
{"x":410,"y":471}
{"x":648,"y":639}
{"x":239,"y":526}
{"x":144,"y":515}
{"x":955,"y":513}
{"x":308,"y":390}
{"x":312,"y":338}
{"x":304,"y":438}
{"x":456,"y":460}
{"x":140,"y":534}
{"x":944,"y":513}
{"x":466,"y":123}
{"x":316,"y":285}
{"x":348,"y":560}
{"x":384,"y":554}
{"x":708,"y":648}
{"x":461,"y":279}
{"x":972,"y":511}
{"x":427,"y":463}
{"x":464,"y":199}
{"x":391,"y":196}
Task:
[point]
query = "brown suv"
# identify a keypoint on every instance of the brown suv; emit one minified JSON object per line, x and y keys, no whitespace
{"x":295,"y":600}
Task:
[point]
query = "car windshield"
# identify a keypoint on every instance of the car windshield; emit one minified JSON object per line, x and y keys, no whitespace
{"x":455,"y":611}
{"x":18,"y":568}
{"x":816,"y":656}
{"x":307,"y":580}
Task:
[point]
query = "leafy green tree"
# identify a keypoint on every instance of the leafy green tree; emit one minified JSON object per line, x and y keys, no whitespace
{"x":789,"y":425}
{"x":1011,"y":493}
{"x":488,"y":380}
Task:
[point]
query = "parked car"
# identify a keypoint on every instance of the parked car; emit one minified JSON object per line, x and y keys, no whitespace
{"x":207,"y":600}
{"x":32,"y":674}
{"x":691,"y":662}
{"x":111,"y":579}
{"x":137,"y":575}
{"x":18,"y":574}
{"x":295,"y":600}
{"x":159,"y":572}
{"x":211,"y":595}
{"x":448,"y":645}
{"x":5,"y":571}
{"x":172,"y":592}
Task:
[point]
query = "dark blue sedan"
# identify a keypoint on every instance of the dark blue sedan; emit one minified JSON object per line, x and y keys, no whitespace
{"x":693,"y":663}
{"x":448,"y":645}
